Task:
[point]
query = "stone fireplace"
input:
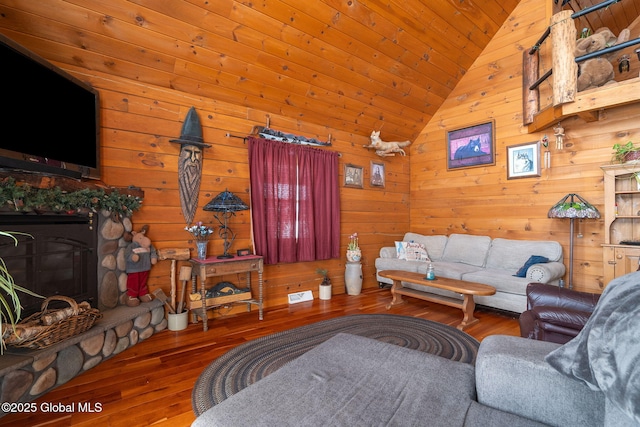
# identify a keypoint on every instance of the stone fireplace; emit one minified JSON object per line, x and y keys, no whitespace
{"x":84,"y":254}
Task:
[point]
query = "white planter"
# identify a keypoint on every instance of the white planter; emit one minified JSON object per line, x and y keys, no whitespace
{"x":325,"y":292}
{"x":177,"y":322}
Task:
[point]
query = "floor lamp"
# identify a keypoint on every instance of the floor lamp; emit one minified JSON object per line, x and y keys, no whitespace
{"x":225,"y":204}
{"x":573,"y":206}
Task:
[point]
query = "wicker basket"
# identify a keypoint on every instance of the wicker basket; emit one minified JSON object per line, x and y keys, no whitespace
{"x":80,"y":321}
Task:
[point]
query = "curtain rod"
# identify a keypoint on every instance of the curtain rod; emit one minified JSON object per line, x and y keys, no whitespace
{"x":244,"y":139}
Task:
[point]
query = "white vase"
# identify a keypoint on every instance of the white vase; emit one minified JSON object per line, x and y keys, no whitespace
{"x":354,"y":255}
{"x":353,"y":278}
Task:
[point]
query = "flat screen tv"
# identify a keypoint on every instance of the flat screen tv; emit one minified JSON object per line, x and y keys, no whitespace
{"x":50,"y":122}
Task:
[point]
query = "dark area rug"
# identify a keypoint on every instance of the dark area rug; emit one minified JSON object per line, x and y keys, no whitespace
{"x":258,"y":358}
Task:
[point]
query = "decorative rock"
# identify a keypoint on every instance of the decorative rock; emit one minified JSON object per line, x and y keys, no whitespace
{"x":121,"y":261}
{"x":126,"y":222}
{"x":69,"y":363}
{"x":44,"y":382}
{"x":92,"y":346}
{"x":91,"y":363}
{"x":109,"y":262}
{"x":15,"y":384}
{"x":109,"y":291}
{"x":109,"y":247}
{"x":112,"y":230}
{"x":123,"y":329}
{"x":109,"y":343}
{"x":133,"y":337}
{"x":142,"y":321}
{"x":123,"y":344}
{"x":162,"y":325}
{"x":40,"y":364}
{"x":122,"y":282}
{"x":157,"y":315}
{"x":146,"y":333}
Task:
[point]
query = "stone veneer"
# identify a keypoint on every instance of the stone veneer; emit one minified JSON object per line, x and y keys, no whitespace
{"x":27,"y":374}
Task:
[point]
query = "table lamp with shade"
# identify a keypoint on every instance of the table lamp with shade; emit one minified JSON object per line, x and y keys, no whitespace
{"x":573,"y":206}
{"x":225,"y":204}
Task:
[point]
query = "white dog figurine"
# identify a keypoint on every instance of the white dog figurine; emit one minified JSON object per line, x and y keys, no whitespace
{"x":386,"y":149}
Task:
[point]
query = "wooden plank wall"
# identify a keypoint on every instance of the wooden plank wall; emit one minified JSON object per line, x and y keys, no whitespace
{"x":140,"y":117}
{"x":482,"y":200}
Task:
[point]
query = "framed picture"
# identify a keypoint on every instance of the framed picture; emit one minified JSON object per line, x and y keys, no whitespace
{"x":523,"y":160}
{"x":471,"y":146}
{"x":377,"y":174}
{"x":353,"y":176}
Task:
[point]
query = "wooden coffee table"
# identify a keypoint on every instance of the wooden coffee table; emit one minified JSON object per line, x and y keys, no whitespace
{"x":467,"y":289}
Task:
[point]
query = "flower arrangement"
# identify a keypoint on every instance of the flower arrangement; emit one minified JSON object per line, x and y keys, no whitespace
{"x":200,"y":231}
{"x":353,"y":242}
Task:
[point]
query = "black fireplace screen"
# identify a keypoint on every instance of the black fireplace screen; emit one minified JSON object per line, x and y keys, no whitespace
{"x":57,"y":258}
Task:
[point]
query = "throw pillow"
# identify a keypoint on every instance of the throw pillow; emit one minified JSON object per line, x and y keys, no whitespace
{"x":411,"y":251}
{"x":534,"y":259}
{"x":605,"y":355}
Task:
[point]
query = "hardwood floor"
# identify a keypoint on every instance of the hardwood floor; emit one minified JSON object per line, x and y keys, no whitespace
{"x":151,"y":383}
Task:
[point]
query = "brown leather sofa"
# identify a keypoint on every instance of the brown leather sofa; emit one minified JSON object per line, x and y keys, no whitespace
{"x":555,"y":314}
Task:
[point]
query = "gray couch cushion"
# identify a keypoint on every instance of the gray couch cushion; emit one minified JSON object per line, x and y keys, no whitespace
{"x":502,"y":280}
{"x":606,"y":353}
{"x":512,"y":375}
{"x":353,"y":381}
{"x":510,"y":254}
{"x":467,"y":249}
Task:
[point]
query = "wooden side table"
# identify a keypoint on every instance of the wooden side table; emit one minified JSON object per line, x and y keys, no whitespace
{"x":211,"y":267}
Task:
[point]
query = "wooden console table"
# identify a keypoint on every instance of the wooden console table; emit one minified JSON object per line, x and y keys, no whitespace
{"x":467,"y":289}
{"x":211,"y":267}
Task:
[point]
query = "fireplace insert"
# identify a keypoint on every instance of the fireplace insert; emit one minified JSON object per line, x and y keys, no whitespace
{"x":57,"y":257}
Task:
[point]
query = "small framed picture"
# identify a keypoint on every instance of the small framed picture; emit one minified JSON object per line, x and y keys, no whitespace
{"x":471,"y":147}
{"x":377,"y":174}
{"x":353,"y":176}
{"x":523,"y":160}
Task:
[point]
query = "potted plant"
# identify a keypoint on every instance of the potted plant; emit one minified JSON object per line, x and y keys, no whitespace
{"x":625,"y":152}
{"x":325,"y":285}
{"x":9,"y":299}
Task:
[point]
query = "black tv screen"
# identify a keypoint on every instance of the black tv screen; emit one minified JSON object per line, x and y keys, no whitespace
{"x":50,"y":121}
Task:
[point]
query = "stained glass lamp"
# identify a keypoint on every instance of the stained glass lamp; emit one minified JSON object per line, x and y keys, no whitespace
{"x":573,"y":206}
{"x":225,"y":204}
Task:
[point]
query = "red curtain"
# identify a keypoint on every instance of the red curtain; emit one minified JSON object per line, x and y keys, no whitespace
{"x":295,"y":201}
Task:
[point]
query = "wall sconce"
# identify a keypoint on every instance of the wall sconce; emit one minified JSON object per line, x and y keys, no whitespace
{"x":225,"y":204}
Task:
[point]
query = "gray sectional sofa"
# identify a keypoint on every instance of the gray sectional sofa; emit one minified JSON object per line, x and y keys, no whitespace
{"x":481,"y":259}
{"x":355,"y":381}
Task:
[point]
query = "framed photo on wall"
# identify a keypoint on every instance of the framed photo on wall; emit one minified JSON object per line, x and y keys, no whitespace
{"x":353,"y":176}
{"x":523,"y":160}
{"x":377,"y":174}
{"x":471,"y":146}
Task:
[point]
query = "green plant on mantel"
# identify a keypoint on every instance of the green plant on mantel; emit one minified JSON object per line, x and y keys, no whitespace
{"x":25,"y":198}
{"x":9,"y":298}
{"x":621,"y":152}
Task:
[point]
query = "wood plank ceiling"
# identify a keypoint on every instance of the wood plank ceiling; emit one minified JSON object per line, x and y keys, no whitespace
{"x":349,"y":65}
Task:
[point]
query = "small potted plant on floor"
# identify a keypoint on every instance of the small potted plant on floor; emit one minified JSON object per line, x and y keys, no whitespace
{"x":325,"y":285}
{"x":623,"y":153}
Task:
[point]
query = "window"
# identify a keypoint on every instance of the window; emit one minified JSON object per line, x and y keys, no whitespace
{"x":295,"y":201}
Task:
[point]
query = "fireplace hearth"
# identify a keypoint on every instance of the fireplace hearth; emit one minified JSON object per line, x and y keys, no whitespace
{"x":79,"y":256}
